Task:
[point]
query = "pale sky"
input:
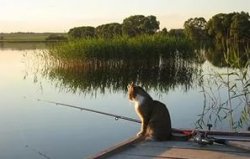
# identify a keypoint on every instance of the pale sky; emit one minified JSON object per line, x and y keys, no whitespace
{"x":61,"y":15}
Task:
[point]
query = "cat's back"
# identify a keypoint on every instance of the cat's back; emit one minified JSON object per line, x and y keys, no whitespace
{"x":159,"y":109}
{"x":160,"y":121}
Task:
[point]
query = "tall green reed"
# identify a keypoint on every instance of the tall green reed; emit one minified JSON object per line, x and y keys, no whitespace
{"x":123,"y":47}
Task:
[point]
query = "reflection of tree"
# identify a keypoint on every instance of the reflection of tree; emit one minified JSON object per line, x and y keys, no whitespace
{"x":217,"y":57}
{"x":115,"y":75}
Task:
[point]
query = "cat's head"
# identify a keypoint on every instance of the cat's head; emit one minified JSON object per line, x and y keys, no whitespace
{"x":134,"y":91}
{"x":131,"y":91}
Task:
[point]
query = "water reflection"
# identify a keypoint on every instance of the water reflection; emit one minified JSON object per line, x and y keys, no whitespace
{"x":115,"y":75}
{"x":64,"y":133}
{"x":160,"y":76}
{"x":228,"y":59}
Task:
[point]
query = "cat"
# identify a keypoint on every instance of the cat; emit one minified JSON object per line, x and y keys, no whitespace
{"x":154,"y":115}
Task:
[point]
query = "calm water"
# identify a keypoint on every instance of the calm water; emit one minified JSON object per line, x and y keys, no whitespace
{"x":37,"y":130}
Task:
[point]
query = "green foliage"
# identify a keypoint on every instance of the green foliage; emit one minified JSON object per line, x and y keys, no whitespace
{"x":176,"y":33}
{"x":223,"y":30}
{"x":240,"y":27}
{"x":164,"y":31}
{"x":195,"y":29}
{"x":131,"y":26}
{"x":139,"y":24}
{"x":231,"y":92}
{"x":27,"y":36}
{"x":82,"y":32}
{"x":141,"y":47}
{"x":109,"y":30}
{"x":56,"y":37}
{"x":227,"y":29}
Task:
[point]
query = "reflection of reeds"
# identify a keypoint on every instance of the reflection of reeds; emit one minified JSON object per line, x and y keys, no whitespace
{"x":226,"y":92}
{"x":141,"y":47}
{"x":114,"y":75}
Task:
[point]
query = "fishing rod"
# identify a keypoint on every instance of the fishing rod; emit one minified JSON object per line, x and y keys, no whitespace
{"x":117,"y":117}
{"x":189,"y":133}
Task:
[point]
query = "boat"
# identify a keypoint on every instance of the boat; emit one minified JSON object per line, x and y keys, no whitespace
{"x":223,"y":145}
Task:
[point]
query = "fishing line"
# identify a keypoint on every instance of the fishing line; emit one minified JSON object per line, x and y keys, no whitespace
{"x":187,"y":133}
{"x":117,"y":117}
{"x":38,"y":152}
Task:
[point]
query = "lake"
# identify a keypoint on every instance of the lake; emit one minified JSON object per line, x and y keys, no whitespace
{"x":36,"y":129}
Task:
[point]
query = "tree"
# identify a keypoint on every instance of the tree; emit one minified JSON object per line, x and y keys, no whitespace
{"x":219,"y":28}
{"x":164,"y":31}
{"x":150,"y":25}
{"x":109,"y":30}
{"x":176,"y":32}
{"x":139,"y":24}
{"x":56,"y":37}
{"x":82,"y":32}
{"x":195,"y":29}
{"x":240,"y":28}
{"x":228,"y":28}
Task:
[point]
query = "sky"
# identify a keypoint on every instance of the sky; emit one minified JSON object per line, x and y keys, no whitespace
{"x":61,"y":15}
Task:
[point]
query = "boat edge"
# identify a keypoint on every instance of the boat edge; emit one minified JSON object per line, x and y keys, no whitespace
{"x":117,"y":148}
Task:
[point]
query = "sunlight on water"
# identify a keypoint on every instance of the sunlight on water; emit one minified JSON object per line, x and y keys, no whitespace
{"x":32,"y":128}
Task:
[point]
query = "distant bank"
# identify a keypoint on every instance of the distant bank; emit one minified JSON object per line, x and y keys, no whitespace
{"x":32,"y":37}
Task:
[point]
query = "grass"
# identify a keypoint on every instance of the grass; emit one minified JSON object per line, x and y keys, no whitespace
{"x":227,"y":94}
{"x":125,"y":48}
{"x":26,"y":37}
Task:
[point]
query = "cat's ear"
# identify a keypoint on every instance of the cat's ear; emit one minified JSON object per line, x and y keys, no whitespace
{"x":131,"y":85}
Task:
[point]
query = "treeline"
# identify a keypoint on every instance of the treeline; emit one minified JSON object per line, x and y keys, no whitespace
{"x":220,"y":30}
{"x":131,"y":26}
{"x":139,"y":37}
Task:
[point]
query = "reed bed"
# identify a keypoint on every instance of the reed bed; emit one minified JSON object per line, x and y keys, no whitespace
{"x":123,"y":48}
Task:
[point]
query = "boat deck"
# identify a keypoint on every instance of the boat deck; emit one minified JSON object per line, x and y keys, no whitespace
{"x":136,"y":148}
{"x":180,"y":150}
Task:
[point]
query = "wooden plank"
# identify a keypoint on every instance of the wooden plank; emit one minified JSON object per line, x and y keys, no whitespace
{"x":239,"y":144}
{"x":117,"y":148}
{"x":136,"y":147}
{"x":180,"y":150}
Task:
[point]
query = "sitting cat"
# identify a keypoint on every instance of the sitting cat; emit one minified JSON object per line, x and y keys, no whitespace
{"x":154,"y":115}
